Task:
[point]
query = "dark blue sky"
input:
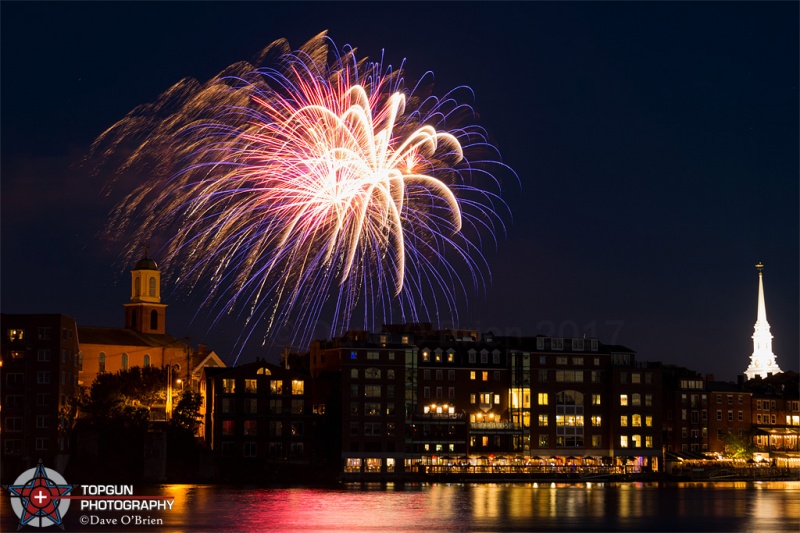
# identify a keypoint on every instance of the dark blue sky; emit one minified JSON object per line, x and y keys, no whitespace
{"x":656,"y":146}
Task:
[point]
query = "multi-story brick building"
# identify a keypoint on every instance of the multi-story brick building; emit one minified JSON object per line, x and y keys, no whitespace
{"x":581,"y":401}
{"x":368,"y":383}
{"x":258,"y":415}
{"x":685,"y":411}
{"x":729,"y":415}
{"x":775,"y":414}
{"x":39,"y":372}
{"x":476,"y":401}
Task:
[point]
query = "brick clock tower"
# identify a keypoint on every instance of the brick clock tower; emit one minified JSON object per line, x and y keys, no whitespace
{"x":145,"y":313}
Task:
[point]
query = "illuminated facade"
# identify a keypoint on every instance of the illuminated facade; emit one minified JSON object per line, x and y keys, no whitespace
{"x":762,"y":361}
{"x":729,"y":415}
{"x":143,"y":341}
{"x":580,"y":402}
{"x":775,"y":415}
{"x":484,"y":404}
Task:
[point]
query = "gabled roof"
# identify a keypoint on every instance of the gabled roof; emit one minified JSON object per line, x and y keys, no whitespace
{"x":124,"y":337}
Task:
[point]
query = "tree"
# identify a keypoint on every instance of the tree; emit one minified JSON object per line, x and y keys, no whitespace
{"x":125,"y":398}
{"x":185,"y":415}
{"x":739,"y":444}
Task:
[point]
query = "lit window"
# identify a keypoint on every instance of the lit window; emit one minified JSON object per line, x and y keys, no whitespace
{"x":597,"y":420}
{"x":648,"y":441}
{"x":623,"y":399}
{"x":542,"y":420}
{"x":595,"y":399}
{"x":623,"y":441}
{"x":472,"y":375}
{"x":16,"y":334}
{"x":636,"y":399}
{"x":543,"y":398}
{"x":648,"y":421}
{"x":275,"y":386}
{"x":623,"y":421}
{"x":636,"y":420}
{"x":250,"y":386}
{"x":228,"y":386}
{"x":636,"y":377}
{"x":228,"y":427}
{"x":636,"y":441}
{"x":485,"y":376}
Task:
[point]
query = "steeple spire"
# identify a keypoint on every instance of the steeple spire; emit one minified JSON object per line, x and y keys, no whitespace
{"x":762,"y":362}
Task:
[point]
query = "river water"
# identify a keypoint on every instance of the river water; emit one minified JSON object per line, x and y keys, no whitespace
{"x":697,"y":507}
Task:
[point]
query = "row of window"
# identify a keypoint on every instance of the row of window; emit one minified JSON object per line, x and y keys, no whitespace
{"x":373,"y":429}
{"x":14,"y":401}
{"x":124,"y":364}
{"x":355,"y":464}
{"x":371,"y":356}
{"x":43,"y":377}
{"x":373,"y":409}
{"x":371,"y":391}
{"x":44,"y":333}
{"x":16,"y":423}
{"x":250,"y":449}
{"x":276,"y":407}
{"x":14,"y":446}
{"x":250,"y":428}
{"x":294,"y":387}
{"x":375,"y":373}
{"x":577,"y":441}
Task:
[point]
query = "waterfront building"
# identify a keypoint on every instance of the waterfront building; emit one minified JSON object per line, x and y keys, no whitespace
{"x":368,"y":381}
{"x":580,"y":402}
{"x":729,"y":417}
{"x":685,"y":412}
{"x":775,"y":418}
{"x":762,"y":361}
{"x":488,"y":403}
{"x":258,"y":417}
{"x":38,"y":382}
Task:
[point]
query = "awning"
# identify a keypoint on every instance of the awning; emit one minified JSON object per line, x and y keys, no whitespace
{"x":779,"y":431}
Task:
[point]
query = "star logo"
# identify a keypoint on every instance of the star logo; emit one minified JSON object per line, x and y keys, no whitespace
{"x":37,"y":497}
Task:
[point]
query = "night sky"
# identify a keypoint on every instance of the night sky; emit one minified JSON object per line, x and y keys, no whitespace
{"x":656,"y":147}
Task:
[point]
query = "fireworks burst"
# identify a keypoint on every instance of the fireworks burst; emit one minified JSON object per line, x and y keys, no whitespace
{"x":310,"y":182}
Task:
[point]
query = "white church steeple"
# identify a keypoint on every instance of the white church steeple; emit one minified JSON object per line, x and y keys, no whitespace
{"x":762,"y":362}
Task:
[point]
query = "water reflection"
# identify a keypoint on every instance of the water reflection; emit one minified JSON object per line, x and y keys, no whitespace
{"x":482,"y":507}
